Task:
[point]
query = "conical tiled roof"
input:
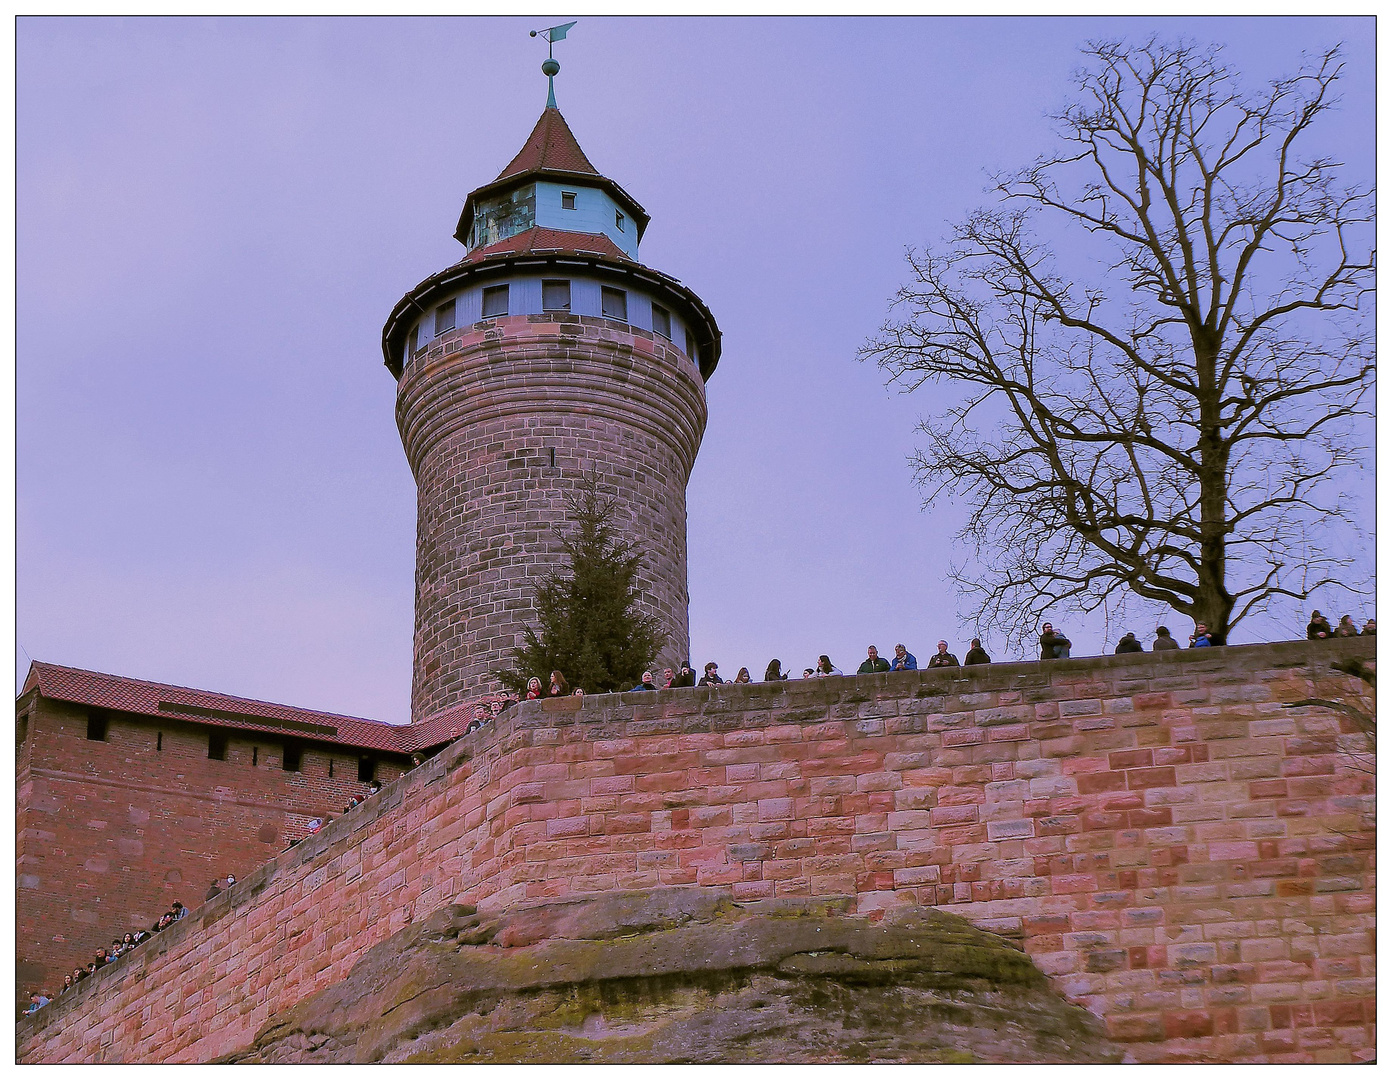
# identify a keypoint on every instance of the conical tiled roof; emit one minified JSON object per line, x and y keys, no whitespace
{"x":551,"y":147}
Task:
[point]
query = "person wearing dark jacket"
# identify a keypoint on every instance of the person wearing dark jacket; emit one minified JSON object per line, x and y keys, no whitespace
{"x":1319,"y":627}
{"x":976,"y":654}
{"x":1128,"y":643}
{"x":1369,"y":629}
{"x":711,"y":676}
{"x":214,"y":891}
{"x":774,"y":672}
{"x":1346,"y":628}
{"x":873,"y":662}
{"x":1052,"y":644}
{"x":942,"y":658}
{"x":685,"y":675}
{"x":1163,"y":640}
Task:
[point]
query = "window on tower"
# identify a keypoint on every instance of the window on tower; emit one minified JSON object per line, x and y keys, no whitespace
{"x":414,"y":343}
{"x":615,"y":304}
{"x":495,"y":301}
{"x":444,"y":317}
{"x":555,"y":296}
{"x":662,"y":321}
{"x":690,"y":345}
{"x":217,"y":746}
{"x":567,"y":200}
{"x":619,"y":219}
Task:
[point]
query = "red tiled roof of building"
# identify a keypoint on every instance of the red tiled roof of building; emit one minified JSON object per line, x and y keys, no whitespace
{"x":538,"y":238}
{"x":117,"y":692}
{"x":218,"y":710}
{"x":552,"y":146}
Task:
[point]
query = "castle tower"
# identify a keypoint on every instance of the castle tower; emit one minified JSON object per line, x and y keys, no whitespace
{"x":547,"y":352}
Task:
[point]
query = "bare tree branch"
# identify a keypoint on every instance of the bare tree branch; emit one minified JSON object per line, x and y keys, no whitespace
{"x":1173,"y":423}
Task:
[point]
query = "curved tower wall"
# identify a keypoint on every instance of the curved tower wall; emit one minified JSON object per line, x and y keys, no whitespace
{"x":500,"y":419}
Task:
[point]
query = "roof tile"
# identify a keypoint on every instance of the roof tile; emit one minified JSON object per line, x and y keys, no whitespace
{"x":551,"y":145}
{"x":539,"y":238}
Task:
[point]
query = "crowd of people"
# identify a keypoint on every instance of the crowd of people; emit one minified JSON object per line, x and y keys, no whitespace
{"x":1053,"y":645}
{"x":117,"y":949}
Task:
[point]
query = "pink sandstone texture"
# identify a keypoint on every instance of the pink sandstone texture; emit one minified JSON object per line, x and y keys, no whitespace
{"x":1181,"y":852}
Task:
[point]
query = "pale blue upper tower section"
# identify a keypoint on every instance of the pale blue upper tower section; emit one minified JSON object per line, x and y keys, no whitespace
{"x":576,"y":208}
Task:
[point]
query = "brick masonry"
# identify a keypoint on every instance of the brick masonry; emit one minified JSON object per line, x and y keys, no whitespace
{"x":1179,"y":851}
{"x":481,"y":416}
{"x":110,"y":833}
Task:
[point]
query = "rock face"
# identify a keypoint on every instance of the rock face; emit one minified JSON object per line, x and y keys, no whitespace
{"x":686,"y":975}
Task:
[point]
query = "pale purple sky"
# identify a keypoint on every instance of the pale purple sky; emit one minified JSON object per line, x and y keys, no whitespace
{"x":214,"y":219}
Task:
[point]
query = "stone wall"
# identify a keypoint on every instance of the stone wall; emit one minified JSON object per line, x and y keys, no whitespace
{"x":110,"y":833}
{"x":500,"y":420}
{"x":1181,"y":852}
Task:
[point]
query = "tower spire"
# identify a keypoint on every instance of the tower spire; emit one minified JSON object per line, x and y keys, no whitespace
{"x":550,"y":67}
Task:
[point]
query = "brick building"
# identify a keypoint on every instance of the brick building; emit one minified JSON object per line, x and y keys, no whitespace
{"x":131,"y":795}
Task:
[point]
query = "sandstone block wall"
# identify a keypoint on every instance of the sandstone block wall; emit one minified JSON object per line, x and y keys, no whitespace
{"x":110,"y":834}
{"x":500,"y":420}
{"x":1181,"y":852}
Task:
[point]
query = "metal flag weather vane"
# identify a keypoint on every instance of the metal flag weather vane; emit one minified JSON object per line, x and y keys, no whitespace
{"x":550,"y":66}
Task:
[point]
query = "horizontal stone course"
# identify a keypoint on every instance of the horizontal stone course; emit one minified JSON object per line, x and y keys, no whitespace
{"x":1191,"y":937}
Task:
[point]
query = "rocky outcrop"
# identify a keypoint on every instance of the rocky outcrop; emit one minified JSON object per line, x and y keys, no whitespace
{"x":686,"y":975}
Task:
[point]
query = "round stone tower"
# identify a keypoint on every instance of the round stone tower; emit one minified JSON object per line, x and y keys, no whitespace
{"x":546,"y":353}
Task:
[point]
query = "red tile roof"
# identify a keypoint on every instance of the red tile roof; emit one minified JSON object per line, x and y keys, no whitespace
{"x":551,"y":145}
{"x":117,"y":692}
{"x":204,"y":707}
{"x":538,"y":238}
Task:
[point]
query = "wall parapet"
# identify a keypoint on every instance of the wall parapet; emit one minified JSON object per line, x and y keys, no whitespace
{"x":1183,"y":853}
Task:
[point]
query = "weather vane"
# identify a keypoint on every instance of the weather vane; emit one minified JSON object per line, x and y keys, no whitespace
{"x":550,"y":66}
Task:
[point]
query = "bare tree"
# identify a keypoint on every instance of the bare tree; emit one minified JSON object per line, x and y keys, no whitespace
{"x":1157,"y":400}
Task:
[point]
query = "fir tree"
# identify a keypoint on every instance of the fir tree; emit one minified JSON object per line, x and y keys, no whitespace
{"x":589,"y":626}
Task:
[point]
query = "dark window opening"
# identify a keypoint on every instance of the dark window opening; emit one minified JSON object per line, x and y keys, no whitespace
{"x":495,"y":301}
{"x":255,"y":752}
{"x":96,"y":726}
{"x":614,"y":303}
{"x":22,"y":729}
{"x":290,"y":757}
{"x":444,"y":318}
{"x":414,"y":345}
{"x":553,"y":457}
{"x":217,"y":746}
{"x":367,"y":770}
{"x":159,"y":740}
{"x":619,"y":220}
{"x":662,"y":321}
{"x":555,"y":296}
{"x":690,"y":345}
{"x":567,"y":200}
{"x":330,"y":768}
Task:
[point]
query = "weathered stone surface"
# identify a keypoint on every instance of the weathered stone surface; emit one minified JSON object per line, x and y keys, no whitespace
{"x":1125,"y":895}
{"x":685,"y":975}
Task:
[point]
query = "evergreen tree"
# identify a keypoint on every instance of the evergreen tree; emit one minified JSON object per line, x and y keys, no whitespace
{"x":589,"y":626}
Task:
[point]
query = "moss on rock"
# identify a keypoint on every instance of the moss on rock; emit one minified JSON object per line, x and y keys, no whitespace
{"x":685,"y":975}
